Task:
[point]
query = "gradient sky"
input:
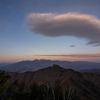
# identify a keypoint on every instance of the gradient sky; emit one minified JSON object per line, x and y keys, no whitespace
{"x":49,"y":29}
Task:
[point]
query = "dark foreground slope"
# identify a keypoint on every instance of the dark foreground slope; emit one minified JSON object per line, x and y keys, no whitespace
{"x":83,"y":84}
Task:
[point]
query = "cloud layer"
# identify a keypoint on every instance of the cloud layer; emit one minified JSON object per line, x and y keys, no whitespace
{"x":70,"y":24}
{"x":75,"y":55}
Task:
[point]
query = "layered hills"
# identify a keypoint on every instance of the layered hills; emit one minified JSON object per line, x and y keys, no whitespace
{"x":84,"y":85}
{"x":24,"y":66}
{"x":94,"y":71}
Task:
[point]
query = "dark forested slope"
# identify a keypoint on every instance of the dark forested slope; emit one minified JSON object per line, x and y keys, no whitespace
{"x":84,"y":84}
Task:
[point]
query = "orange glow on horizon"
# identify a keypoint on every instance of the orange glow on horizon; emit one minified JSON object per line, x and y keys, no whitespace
{"x":13,"y":59}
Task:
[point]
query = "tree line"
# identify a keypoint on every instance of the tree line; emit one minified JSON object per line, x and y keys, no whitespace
{"x":18,"y":91}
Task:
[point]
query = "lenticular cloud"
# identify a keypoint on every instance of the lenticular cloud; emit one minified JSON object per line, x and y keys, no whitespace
{"x":70,"y":24}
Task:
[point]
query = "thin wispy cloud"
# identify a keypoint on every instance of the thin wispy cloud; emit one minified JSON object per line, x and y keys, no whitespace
{"x":72,"y":45}
{"x":73,"y":55}
{"x":70,"y":24}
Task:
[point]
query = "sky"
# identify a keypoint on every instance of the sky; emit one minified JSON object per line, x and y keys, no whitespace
{"x":66,"y":30}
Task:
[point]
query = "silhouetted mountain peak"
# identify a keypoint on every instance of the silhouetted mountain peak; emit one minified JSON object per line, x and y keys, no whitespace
{"x":55,"y":66}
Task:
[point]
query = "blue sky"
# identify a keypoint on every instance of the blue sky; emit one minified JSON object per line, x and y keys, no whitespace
{"x":19,"y":40}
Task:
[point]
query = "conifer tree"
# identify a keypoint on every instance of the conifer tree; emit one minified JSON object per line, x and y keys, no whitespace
{"x":3,"y":85}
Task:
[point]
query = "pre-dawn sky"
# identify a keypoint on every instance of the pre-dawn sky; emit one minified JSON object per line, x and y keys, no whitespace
{"x":49,"y":29}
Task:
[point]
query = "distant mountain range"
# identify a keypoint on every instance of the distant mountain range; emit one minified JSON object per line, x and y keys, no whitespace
{"x":94,"y":71}
{"x":4,"y":64}
{"x":24,"y":66}
{"x":84,"y":85}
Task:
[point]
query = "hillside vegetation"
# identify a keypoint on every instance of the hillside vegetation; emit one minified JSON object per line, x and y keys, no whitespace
{"x":52,"y":83}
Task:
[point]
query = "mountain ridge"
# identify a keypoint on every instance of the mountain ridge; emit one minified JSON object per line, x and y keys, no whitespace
{"x":24,"y":66}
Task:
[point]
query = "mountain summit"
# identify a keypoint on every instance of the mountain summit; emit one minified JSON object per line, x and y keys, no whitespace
{"x":55,"y":66}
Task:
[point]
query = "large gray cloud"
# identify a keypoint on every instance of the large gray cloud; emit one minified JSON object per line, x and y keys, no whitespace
{"x":70,"y":24}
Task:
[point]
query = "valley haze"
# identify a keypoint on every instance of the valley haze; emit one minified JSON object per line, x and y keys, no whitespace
{"x":24,"y":66}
